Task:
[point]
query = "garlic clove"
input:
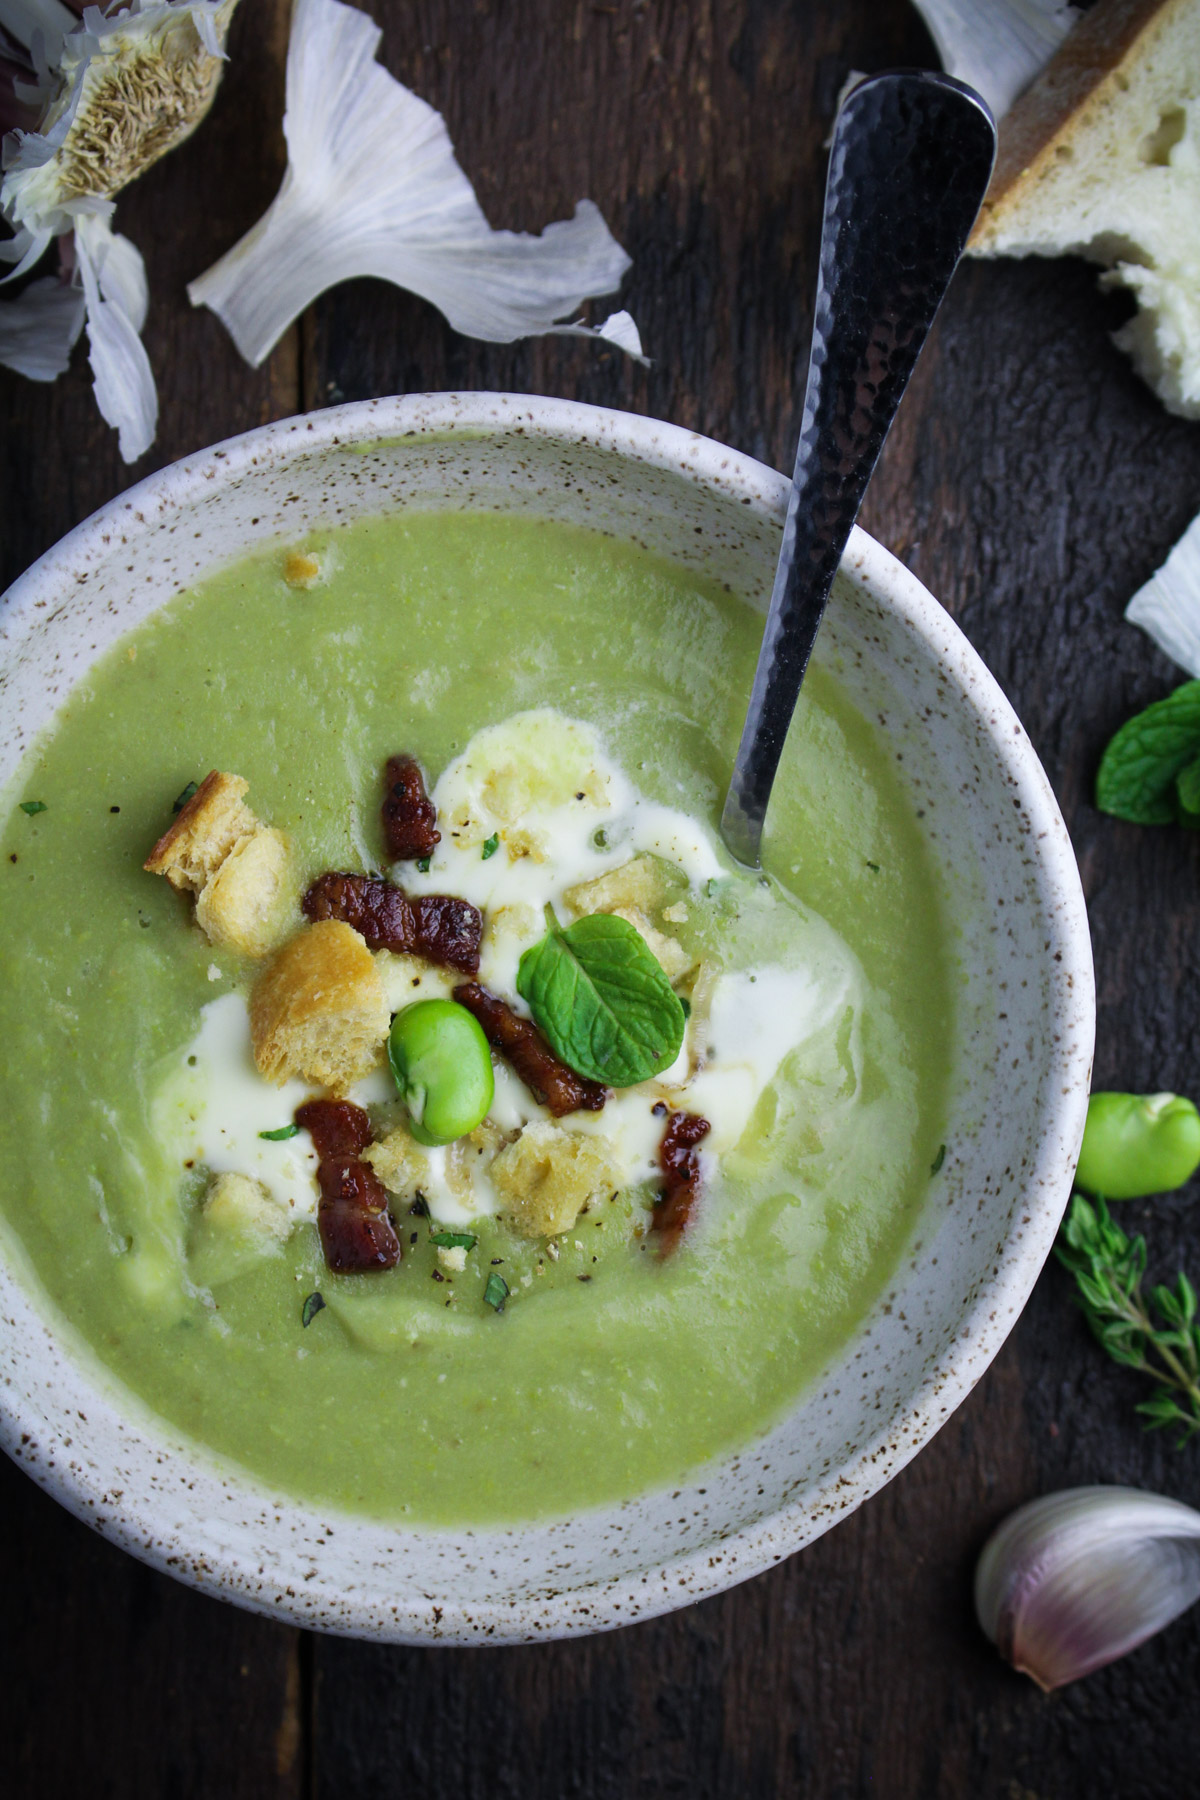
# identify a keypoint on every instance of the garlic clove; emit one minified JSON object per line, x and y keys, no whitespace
{"x":1076,"y":1579}
{"x":997,"y":46}
{"x":1168,"y":605}
{"x":114,"y":287}
{"x":373,"y":188}
{"x":38,"y":328}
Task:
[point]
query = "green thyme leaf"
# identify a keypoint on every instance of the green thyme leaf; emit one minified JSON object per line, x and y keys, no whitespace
{"x":453,"y":1240}
{"x":1156,"y":1335}
{"x":490,"y":846}
{"x":423,"y":863}
{"x":312,"y":1306}
{"x":1143,"y":762}
{"x":939,"y":1159}
{"x":496,"y":1292}
{"x":34,"y":806}
{"x":181,"y":800}
{"x":602,"y":1000}
{"x":280,"y":1133}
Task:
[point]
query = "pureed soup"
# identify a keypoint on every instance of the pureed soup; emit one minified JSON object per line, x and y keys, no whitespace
{"x":554,"y":1333}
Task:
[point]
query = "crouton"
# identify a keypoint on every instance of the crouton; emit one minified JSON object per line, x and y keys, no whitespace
{"x":208,"y":827}
{"x":472,"y":1154}
{"x":639,"y":883}
{"x":239,"y":1203}
{"x":240,"y":1224}
{"x":319,"y":1010}
{"x":398,"y":1162}
{"x":237,"y":905}
{"x":549,"y":1175}
{"x":670,"y":953}
{"x":218,"y":850}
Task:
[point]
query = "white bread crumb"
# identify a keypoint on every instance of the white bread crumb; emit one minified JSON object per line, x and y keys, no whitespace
{"x":549,"y":1175}
{"x":319,"y":1010}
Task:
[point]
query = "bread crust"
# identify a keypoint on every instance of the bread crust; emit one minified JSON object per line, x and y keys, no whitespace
{"x":1085,"y":74}
{"x":204,"y":833}
{"x":319,"y":1010}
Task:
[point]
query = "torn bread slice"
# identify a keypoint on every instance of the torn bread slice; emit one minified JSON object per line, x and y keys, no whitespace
{"x":218,"y":850}
{"x":1101,"y":158}
{"x":319,"y":1010}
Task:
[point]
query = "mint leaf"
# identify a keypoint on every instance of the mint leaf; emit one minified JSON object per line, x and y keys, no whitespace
{"x":453,"y":1240}
{"x":602,"y":1000}
{"x":496,"y":1292}
{"x":280,"y":1134}
{"x":1187,"y":792}
{"x":490,"y":846}
{"x":312,"y":1306}
{"x":1139,"y":770}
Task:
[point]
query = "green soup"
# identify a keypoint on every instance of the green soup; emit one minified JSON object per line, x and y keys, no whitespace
{"x":611,"y":1370}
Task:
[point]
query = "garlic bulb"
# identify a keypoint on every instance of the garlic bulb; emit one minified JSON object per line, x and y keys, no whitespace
{"x":1074,"y":1580}
{"x":113,"y":94}
{"x":997,"y":46}
{"x":373,"y":188}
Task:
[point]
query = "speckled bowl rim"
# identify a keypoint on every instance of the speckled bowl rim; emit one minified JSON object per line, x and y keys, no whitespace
{"x":983,"y":1326}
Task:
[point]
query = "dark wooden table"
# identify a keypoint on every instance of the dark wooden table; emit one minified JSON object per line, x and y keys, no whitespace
{"x":1032,"y":483}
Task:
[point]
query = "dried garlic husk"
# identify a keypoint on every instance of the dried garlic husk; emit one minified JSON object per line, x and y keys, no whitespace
{"x":373,"y":188}
{"x":1076,"y":1579}
{"x":115,"y":93}
{"x":39,"y":327}
{"x":997,"y":46}
{"x":1168,"y":605}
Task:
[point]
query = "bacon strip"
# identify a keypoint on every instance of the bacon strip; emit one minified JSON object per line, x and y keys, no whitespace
{"x":409,"y":815}
{"x":680,"y":1165}
{"x":357,"y":1233}
{"x":439,"y":927}
{"x":548,"y":1079}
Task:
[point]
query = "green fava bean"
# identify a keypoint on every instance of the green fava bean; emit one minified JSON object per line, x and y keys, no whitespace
{"x":443,"y":1068}
{"x":1138,"y":1144}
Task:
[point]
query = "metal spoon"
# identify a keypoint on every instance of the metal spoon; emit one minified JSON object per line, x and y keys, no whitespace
{"x":911,"y":157}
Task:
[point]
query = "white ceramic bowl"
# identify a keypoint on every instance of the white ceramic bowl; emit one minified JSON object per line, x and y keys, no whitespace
{"x":1015,"y":1115}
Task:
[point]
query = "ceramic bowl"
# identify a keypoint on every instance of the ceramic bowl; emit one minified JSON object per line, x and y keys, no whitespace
{"x":1015,"y":1113}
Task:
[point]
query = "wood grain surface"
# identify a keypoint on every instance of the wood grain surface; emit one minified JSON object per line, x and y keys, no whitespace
{"x":1032,"y":483}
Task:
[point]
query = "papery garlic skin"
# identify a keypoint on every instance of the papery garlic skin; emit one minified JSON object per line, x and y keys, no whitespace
{"x":39,"y":328}
{"x":997,"y":46}
{"x":1168,"y":605}
{"x":373,"y":188}
{"x":1076,"y":1579}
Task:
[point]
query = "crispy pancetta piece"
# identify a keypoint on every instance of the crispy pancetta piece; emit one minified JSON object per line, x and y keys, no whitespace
{"x":680,"y":1165}
{"x":357,"y":1234}
{"x":548,"y":1079}
{"x":439,"y":927}
{"x":409,"y":815}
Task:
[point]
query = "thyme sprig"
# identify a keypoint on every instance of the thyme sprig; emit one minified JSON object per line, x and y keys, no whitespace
{"x":1158,"y":1335}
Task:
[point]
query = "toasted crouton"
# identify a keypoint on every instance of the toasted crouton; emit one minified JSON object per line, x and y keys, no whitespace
{"x":548,"y":1176}
{"x":638,"y":883}
{"x":239,"y":1225}
{"x":237,"y":905}
{"x":319,"y":1010}
{"x":208,"y":827}
{"x":669,"y":952}
{"x":398,"y":1162}
{"x":218,"y":850}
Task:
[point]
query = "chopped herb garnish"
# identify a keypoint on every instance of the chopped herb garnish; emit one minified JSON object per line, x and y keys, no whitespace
{"x":874,"y":867}
{"x":687,"y":1007}
{"x":181,"y":800}
{"x":33,"y":806}
{"x":423,"y":863}
{"x":453,"y":1240}
{"x":312,"y":1306}
{"x":711,"y":885}
{"x":496,"y":1292}
{"x":491,"y":845}
{"x":938,"y":1160}
{"x":419,"y":1206}
{"x":283,"y":1131}
{"x":600,"y":839}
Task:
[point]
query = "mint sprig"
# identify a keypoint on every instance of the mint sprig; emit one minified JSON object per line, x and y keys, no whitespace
{"x":1150,"y":772}
{"x":602,"y":1000}
{"x":1158,"y":1336}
